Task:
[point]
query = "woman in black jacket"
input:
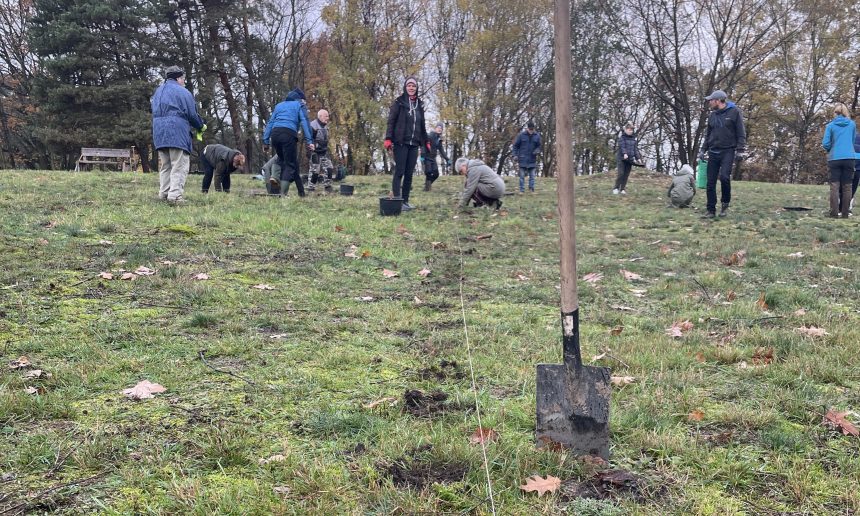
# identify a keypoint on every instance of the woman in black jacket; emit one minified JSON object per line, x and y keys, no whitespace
{"x":406,"y":135}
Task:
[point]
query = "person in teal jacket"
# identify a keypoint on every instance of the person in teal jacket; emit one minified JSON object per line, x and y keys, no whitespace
{"x":838,"y":141}
{"x":282,"y":131}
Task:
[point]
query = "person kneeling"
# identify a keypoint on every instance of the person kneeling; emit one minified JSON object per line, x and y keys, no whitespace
{"x":483,"y":185}
{"x":219,"y":161}
{"x":683,"y":187}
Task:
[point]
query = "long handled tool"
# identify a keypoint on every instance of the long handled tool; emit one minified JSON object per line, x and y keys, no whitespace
{"x":572,"y":399}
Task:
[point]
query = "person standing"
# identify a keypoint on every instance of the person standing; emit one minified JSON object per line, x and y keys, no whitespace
{"x":405,"y":134}
{"x":282,"y":131}
{"x":725,"y":143}
{"x":320,"y":160}
{"x":838,"y":141}
{"x":627,"y":154}
{"x":526,"y":147}
{"x":431,"y":168}
{"x":483,"y":185}
{"x":219,"y":161}
{"x":174,"y":114}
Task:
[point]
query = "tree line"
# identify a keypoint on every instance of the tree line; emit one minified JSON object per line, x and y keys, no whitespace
{"x":79,"y":73}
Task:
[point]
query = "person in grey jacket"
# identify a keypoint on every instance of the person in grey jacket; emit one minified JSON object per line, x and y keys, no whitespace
{"x":320,"y":159}
{"x":219,"y":161}
{"x":483,"y":185}
{"x":683,"y":187}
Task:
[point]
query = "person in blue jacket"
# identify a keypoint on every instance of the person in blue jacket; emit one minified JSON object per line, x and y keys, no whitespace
{"x":526,"y":148}
{"x":282,"y":132}
{"x":838,"y":141}
{"x":856,"y":180}
{"x":173,"y":115}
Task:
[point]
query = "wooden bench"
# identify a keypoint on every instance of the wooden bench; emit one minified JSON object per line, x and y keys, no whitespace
{"x":121,"y":159}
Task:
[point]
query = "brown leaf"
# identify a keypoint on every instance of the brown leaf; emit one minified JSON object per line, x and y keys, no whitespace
{"x":630,"y":276}
{"x":700,"y":357}
{"x":35,"y":374}
{"x":593,"y":277}
{"x":438,"y":245}
{"x":695,"y":415}
{"x":105,"y":275}
{"x":143,"y":390}
{"x":837,"y":420}
{"x":762,"y":356}
{"x":338,"y":229}
{"x":388,"y":400}
{"x":351,"y":252}
{"x":761,"y":303}
{"x":402,"y":230}
{"x":201,"y":276}
{"x":263,"y":286}
{"x":520,"y":277}
{"x":731,"y":296}
{"x":34,"y":390}
{"x":678,"y":329}
{"x":128,"y":276}
{"x":621,"y":381}
{"x":812,"y":331}
{"x":51,"y":224}
{"x":665,"y":249}
{"x":365,"y":254}
{"x":42,"y":241}
{"x":737,"y":258}
{"x":389,"y":273}
{"x":274,"y":458}
{"x":144,"y":271}
{"x":22,"y":363}
{"x":616,"y":331}
{"x":549,"y":444}
{"x":483,"y":435}
{"x":542,"y":485}
{"x":424,"y":272}
{"x":281,"y":490}
{"x":484,"y":237}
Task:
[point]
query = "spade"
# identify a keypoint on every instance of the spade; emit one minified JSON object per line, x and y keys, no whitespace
{"x":572,"y":399}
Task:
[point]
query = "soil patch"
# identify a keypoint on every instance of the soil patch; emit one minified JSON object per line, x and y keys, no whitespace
{"x":420,"y":404}
{"x":421,"y":474}
{"x":609,"y":484}
{"x":445,"y":369}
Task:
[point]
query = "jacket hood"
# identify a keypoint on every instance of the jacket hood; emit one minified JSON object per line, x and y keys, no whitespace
{"x":841,"y":121}
{"x":476,"y":163}
{"x":729,"y":105}
{"x":686,"y":170}
{"x":410,"y":78}
{"x":296,"y":94}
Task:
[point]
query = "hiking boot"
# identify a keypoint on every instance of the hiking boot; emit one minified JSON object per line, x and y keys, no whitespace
{"x":709,"y":215}
{"x":623,"y":192}
{"x":176,"y":202}
{"x":616,"y":191}
{"x":407,"y":206}
{"x":724,"y":209}
{"x":274,"y":182}
{"x":498,"y":204}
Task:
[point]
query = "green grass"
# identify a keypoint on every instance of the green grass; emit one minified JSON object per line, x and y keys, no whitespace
{"x":760,"y":447}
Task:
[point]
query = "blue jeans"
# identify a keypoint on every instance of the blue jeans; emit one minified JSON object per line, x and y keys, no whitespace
{"x":531,"y":172}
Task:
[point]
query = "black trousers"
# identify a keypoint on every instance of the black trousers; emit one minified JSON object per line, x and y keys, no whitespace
{"x":405,"y":157}
{"x":431,"y":169}
{"x":285,"y":142}
{"x":624,"y":168}
{"x":208,"y":171}
{"x":720,"y":167}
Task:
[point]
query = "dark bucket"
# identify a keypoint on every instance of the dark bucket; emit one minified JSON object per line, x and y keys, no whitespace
{"x":390,"y":206}
{"x":347,"y":189}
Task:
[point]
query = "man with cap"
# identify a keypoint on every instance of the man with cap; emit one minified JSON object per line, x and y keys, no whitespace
{"x":725,"y":143}
{"x":431,"y":169}
{"x":526,"y":148}
{"x":173,"y":115}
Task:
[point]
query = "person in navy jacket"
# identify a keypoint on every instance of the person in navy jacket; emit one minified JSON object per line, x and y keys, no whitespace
{"x":282,"y":132}
{"x":526,"y":148}
{"x":174,"y":114}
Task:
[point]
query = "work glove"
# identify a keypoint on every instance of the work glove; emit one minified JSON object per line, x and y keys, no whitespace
{"x":741,"y":155}
{"x":200,"y":132}
{"x":428,"y":146}
{"x":387,"y":144}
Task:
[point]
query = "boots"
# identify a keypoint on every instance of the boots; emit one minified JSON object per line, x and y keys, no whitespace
{"x":834,"y":199}
{"x":846,"y":200}
{"x":724,"y":209}
{"x":427,"y":185}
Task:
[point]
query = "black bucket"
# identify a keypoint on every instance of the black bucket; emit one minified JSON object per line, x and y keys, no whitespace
{"x":390,"y":205}
{"x":347,"y":189}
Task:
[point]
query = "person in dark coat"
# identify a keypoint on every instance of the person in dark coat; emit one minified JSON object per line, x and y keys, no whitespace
{"x":174,"y":114}
{"x":627,"y":154}
{"x":320,"y":158}
{"x":526,"y":147}
{"x":725,"y":143}
{"x":839,"y":137}
{"x":431,"y":168}
{"x":405,"y":134}
{"x":219,"y":161}
{"x":282,"y":131}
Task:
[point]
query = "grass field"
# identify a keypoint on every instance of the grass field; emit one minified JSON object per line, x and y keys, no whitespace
{"x":727,"y":419}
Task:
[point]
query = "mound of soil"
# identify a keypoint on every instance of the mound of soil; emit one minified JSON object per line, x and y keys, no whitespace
{"x":420,"y":474}
{"x":419,"y":404}
{"x":444,"y":370}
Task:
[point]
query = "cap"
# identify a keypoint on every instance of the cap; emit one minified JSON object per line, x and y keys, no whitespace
{"x":173,"y":72}
{"x":717,"y":95}
{"x":530,"y":125}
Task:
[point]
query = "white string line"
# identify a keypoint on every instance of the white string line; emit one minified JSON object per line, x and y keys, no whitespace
{"x":474,"y":388}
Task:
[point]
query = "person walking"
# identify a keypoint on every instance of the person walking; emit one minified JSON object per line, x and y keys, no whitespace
{"x":725,"y":143}
{"x":526,"y":147}
{"x":320,"y":159}
{"x":282,"y":132}
{"x":838,"y":142}
{"x":174,"y":114}
{"x":431,"y":168}
{"x":483,"y":185}
{"x":627,"y":154}
{"x":405,"y":134}
{"x":219,"y":161}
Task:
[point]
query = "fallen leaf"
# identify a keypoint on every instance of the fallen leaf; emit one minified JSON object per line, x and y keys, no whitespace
{"x":167,"y":262}
{"x":144,"y":390}
{"x":837,"y":420}
{"x":665,"y":249}
{"x":483,"y":435}
{"x":593,"y":277}
{"x":36,"y":374}
{"x":700,"y":357}
{"x":51,"y":224}
{"x":365,"y":254}
{"x":364,"y":298}
{"x":201,"y":276}
{"x":621,"y":381}
{"x":678,"y":329}
{"x":594,"y":461}
{"x":623,"y":308}
{"x":42,"y":241}
{"x":424,"y":272}
{"x":761,"y":303}
{"x":595,"y":358}
{"x":630,"y":276}
{"x":484,"y":237}
{"x":542,"y":485}
{"x":31,"y":390}
{"x":274,"y":458}
{"x":638,"y":292}
{"x":338,"y":229}
{"x":839,"y":268}
{"x":417,"y":300}
{"x":737,"y":258}
{"x":812,"y":331}
{"x":695,"y":415}
{"x":351,"y":252}
{"x":389,"y":273}
{"x":795,"y":255}
{"x":800,"y":312}
{"x":387,"y":400}
{"x":105,"y":275}
{"x":762,"y":356}
{"x":438,"y":245}
{"x":105,"y":242}
{"x":263,"y":286}
{"x":281,"y":490}
{"x":144,"y":271}
{"x":616,"y":331}
{"x":128,"y":276}
{"x":22,"y":363}
{"x":730,"y":295}
{"x":278,"y":336}
{"x":520,"y":277}
{"x":736,"y":273}
{"x":402,"y":230}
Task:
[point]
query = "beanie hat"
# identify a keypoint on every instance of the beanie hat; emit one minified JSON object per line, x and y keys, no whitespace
{"x":173,"y":72}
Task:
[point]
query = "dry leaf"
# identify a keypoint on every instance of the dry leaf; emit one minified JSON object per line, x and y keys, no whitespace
{"x":638,"y":292}
{"x":417,"y":300}
{"x":365,"y":254}
{"x":623,"y":308}
{"x":273,"y":458}
{"x":402,"y":230}
{"x":695,"y":415}
{"x":700,"y":357}
{"x":795,"y":255}
{"x":616,"y":331}
{"x":484,"y":237}
{"x":201,"y":276}
{"x":143,"y":390}
{"x":105,"y":275}
{"x":837,"y":420}
{"x":338,"y":229}
{"x":839,"y":268}
{"x":630,"y":276}
{"x":665,"y":249}
{"x":520,"y":277}
{"x":541,"y":485}
{"x":762,"y":356}
{"x":731,"y":296}
{"x":438,"y":245}
{"x":51,"y":225}
{"x":144,"y":271}
{"x":678,"y":329}
{"x":388,"y":400}
{"x":351,"y":252}
{"x":800,"y":312}
{"x":595,"y":358}
{"x":736,"y":273}
{"x":281,"y":490}
{"x":31,"y":390}
{"x":364,"y":298}
{"x":105,"y":242}
{"x":424,"y":272}
{"x":22,"y":363}
{"x":42,"y":241}
{"x":128,"y":276}
{"x":812,"y":331}
{"x":761,"y":303}
{"x":738,"y":258}
{"x":36,"y":374}
{"x":278,"y":336}
{"x":389,"y":273}
{"x":263,"y":286}
{"x":483,"y":435}
{"x":593,"y":277}
{"x":621,"y":381}
{"x":167,"y":262}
